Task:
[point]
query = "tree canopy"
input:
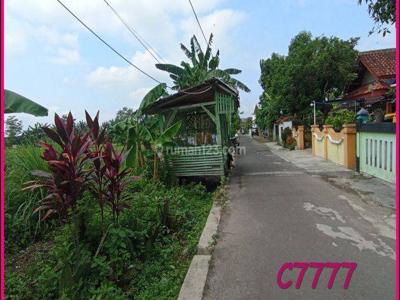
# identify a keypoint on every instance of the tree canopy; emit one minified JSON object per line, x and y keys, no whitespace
{"x":314,"y":69}
{"x":383,"y":12}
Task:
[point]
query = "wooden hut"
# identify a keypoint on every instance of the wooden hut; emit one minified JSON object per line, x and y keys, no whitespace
{"x":206,"y":111}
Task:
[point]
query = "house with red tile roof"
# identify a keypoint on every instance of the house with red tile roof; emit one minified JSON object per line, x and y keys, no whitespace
{"x":377,"y":73}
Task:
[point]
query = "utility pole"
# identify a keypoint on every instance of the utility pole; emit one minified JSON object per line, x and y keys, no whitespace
{"x":315,"y":117}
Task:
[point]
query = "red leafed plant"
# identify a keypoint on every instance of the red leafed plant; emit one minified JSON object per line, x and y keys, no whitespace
{"x":87,"y":162}
{"x":115,"y":175}
{"x":98,"y":189}
{"x":67,"y":176}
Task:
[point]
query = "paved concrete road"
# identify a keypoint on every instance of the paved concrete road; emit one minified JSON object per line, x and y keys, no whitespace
{"x":280,"y":213}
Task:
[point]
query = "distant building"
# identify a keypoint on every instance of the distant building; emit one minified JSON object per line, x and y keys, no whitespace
{"x":279,"y":125}
{"x":377,"y":73}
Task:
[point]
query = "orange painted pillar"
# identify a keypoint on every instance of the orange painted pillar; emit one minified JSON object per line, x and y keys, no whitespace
{"x":300,"y":137}
{"x":349,"y":141}
{"x":326,"y":132}
{"x":313,"y":141}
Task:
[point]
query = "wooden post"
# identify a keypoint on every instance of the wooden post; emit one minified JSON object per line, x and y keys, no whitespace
{"x":349,"y":141}
{"x":326,"y":132}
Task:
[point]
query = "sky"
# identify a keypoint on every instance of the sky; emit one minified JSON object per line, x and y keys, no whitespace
{"x":53,"y":60}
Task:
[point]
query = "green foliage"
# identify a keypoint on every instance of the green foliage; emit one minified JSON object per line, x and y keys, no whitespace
{"x":144,"y":256}
{"x":383,"y":12}
{"x":13,"y":129}
{"x":137,"y":128}
{"x":314,"y":69}
{"x":15,"y":103}
{"x":33,"y":134}
{"x":247,"y":124}
{"x":202,"y":66}
{"x":22,"y":227}
{"x":159,"y":136}
{"x":287,"y":139}
{"x":339,"y":117}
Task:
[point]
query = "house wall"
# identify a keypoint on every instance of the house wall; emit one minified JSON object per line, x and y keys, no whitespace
{"x":282,"y":126}
{"x":339,"y":147}
{"x":367,"y":78}
{"x":335,"y":147}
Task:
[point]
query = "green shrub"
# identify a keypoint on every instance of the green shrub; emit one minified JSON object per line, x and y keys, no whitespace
{"x":144,"y":256}
{"x":287,"y":139}
{"x":340,"y":117}
{"x":22,"y":227}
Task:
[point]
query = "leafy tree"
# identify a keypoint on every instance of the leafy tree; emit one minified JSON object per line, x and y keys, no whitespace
{"x":315,"y":69}
{"x":383,"y":12}
{"x":33,"y":134}
{"x":202,"y":66}
{"x":13,"y":129}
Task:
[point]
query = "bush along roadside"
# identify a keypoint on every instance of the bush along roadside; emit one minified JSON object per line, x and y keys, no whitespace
{"x":117,"y":236}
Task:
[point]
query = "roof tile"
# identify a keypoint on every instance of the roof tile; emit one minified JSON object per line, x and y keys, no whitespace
{"x":381,"y":63}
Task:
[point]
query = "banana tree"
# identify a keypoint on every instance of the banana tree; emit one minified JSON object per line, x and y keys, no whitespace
{"x":202,"y":66}
{"x":160,"y":135}
{"x":135,"y":128}
{"x":15,"y":103}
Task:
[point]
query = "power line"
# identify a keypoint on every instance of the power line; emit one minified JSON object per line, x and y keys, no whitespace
{"x":198,"y":22}
{"x":145,"y":44}
{"x":123,"y":57}
{"x":108,"y":45}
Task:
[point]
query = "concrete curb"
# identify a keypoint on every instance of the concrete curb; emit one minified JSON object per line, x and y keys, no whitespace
{"x":196,"y":277}
{"x":207,"y":242}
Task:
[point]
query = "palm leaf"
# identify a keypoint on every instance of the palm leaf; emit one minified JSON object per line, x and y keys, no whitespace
{"x":233,"y":71}
{"x":189,"y":54}
{"x":170,"y":68}
{"x":152,"y":96}
{"x":15,"y":103}
{"x":214,"y":61}
{"x":171,"y":132}
{"x":240,"y":85}
{"x":208,"y":51}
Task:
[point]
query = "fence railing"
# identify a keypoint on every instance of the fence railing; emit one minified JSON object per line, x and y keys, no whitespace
{"x":376,"y":150}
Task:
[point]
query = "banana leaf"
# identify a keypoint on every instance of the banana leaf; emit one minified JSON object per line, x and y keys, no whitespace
{"x":15,"y":103}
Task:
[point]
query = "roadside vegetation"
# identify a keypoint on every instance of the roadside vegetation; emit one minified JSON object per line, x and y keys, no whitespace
{"x":80,"y":225}
{"x":91,"y":211}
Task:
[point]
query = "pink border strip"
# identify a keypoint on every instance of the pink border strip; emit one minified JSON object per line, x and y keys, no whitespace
{"x":397,"y":146}
{"x":397,"y":152}
{"x":2,"y":150}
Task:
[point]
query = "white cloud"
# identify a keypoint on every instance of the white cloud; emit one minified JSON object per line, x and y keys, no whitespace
{"x":65,"y":56}
{"x":126,"y":75}
{"x":219,"y":22}
{"x":15,"y":36}
{"x":54,"y":37}
{"x":138,"y":95}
